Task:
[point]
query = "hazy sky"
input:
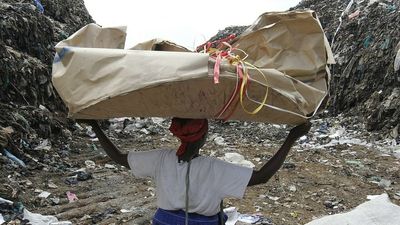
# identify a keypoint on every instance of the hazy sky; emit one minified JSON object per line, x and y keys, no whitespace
{"x":188,"y":23}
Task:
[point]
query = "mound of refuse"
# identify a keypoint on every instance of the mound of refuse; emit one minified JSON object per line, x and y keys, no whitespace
{"x":365,"y":38}
{"x":32,"y":116}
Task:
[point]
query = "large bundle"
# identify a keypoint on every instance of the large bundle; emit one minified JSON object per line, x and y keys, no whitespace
{"x":276,"y":71}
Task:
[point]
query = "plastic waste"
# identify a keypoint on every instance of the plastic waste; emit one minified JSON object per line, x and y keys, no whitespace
{"x":126,"y":210}
{"x":109,"y":166}
{"x":39,"y":6}
{"x":90,"y":133}
{"x":94,"y":147}
{"x":71,"y":180}
{"x":90,"y":164}
{"x":100,"y":216}
{"x":44,"y":145}
{"x":397,"y":61}
{"x":346,"y":11}
{"x":83,"y":176}
{"x":31,"y":218}
{"x":354,"y":14}
{"x":367,"y":41}
{"x":44,"y":194}
{"x":71,"y":197}
{"x":2,"y":219}
{"x":385,"y":44}
{"x":55,"y":200}
{"x":384,"y":183}
{"x":51,"y":185}
{"x":220,"y":141}
{"x":38,"y":219}
{"x":236,"y":158}
{"x":234,"y":216}
{"x":14,"y":158}
{"x":372,"y":2}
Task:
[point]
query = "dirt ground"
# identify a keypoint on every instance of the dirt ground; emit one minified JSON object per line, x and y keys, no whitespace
{"x":313,"y":182}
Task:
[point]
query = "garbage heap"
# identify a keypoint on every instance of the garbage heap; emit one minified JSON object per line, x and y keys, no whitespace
{"x":365,"y":38}
{"x":33,"y":128}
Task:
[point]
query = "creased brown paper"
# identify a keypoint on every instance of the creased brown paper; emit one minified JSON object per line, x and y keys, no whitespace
{"x":99,"y":79}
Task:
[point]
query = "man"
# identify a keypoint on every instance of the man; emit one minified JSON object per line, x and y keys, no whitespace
{"x":191,"y":187}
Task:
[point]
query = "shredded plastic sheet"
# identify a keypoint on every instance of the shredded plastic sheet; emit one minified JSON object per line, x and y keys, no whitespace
{"x":234,"y":216}
{"x":1,"y":219}
{"x":397,"y":61}
{"x":35,"y":218}
{"x":38,"y":219}
{"x":345,"y":12}
{"x":377,"y":211}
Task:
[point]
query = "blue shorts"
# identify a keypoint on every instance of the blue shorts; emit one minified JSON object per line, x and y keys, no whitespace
{"x":177,"y":217}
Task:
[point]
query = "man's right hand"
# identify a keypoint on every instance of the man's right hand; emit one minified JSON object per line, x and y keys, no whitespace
{"x":112,"y":151}
{"x":273,"y":165}
{"x":300,"y":130}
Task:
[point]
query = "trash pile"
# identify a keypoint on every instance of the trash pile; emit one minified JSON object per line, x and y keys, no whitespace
{"x":365,"y":38}
{"x":343,"y":132}
{"x":27,"y":40}
{"x":85,"y":178}
{"x":340,"y":144}
{"x":34,"y":131}
{"x":326,"y":133}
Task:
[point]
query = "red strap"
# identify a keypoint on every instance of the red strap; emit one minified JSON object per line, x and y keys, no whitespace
{"x":239,"y":71}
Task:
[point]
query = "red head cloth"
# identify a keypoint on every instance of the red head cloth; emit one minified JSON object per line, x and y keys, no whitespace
{"x":188,"y":130}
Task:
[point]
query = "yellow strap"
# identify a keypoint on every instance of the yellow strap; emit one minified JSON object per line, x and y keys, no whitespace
{"x":245,"y":80}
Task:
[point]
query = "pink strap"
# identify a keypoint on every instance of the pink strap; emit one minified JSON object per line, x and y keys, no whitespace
{"x":216,"y":68}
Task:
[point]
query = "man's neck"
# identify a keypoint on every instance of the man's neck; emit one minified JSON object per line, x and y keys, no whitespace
{"x":180,"y":159}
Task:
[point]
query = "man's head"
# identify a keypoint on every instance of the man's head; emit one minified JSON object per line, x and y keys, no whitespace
{"x":192,"y":133}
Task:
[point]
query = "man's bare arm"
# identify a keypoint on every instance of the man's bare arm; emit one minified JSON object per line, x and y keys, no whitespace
{"x":112,"y":151}
{"x":272,"y":166}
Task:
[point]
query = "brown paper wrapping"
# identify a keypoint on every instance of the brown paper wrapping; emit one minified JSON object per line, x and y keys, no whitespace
{"x":99,"y":79}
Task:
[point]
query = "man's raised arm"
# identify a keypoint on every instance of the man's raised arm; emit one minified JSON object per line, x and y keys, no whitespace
{"x":112,"y":151}
{"x":272,"y":166}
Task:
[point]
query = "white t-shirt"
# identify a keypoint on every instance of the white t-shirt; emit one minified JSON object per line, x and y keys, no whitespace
{"x":211,"y":180}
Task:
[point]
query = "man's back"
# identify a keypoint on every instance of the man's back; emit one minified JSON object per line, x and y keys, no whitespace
{"x":210,"y":180}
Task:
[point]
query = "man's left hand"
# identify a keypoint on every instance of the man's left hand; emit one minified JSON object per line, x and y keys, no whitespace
{"x":300,"y":130}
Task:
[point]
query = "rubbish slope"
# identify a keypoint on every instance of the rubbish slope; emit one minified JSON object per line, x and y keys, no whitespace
{"x":364,"y":43}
